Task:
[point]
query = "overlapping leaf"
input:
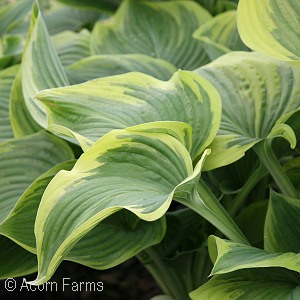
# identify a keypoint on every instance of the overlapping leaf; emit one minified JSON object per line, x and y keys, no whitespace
{"x":103,"y":5}
{"x":139,"y":169}
{"x":15,"y":261}
{"x":17,"y":158}
{"x":282,"y":226}
{"x":258,"y":95}
{"x":292,"y":168}
{"x":91,"y":109}
{"x":97,"y":66}
{"x":21,"y":162}
{"x":22,"y":122}
{"x":19,"y":224}
{"x":250,"y":273}
{"x":156,"y":29}
{"x":271,"y":27}
{"x":229,"y":256}
{"x":71,"y":47}
{"x":254,"y":214}
{"x":11,"y":47}
{"x":41,"y":67}
{"x":6,"y":80}
{"x":269,"y":284}
{"x":220,"y":35}
{"x":11,"y":15}
{"x":62,"y":18}
{"x":216,"y":7}
{"x":115,"y":240}
{"x":124,"y":169}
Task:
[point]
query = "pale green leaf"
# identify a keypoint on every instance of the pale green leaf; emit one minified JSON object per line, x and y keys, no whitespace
{"x":271,"y":27}
{"x":19,"y":224}
{"x":15,"y":261}
{"x":71,"y":46}
{"x":89,"y":110}
{"x":220,"y":35}
{"x":268,"y":284}
{"x":282,"y":226}
{"x":6,"y":80}
{"x":259,"y":94}
{"x":21,"y":120}
{"x":41,"y":67}
{"x":97,"y":66}
{"x":158,"y":29}
{"x":124,"y":169}
{"x":229,"y":256}
{"x":23,"y":160}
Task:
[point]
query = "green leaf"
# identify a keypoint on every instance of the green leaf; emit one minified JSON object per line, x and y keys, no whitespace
{"x":41,"y":67}
{"x":158,"y":29}
{"x":71,"y":46}
{"x":23,"y":160}
{"x":162,"y":297}
{"x":229,"y":180}
{"x":21,"y":120}
{"x":15,"y":261}
{"x":87,"y":111}
{"x":205,"y":203}
{"x":229,"y":256}
{"x":11,"y":47}
{"x":12,"y":14}
{"x":294,"y":123}
{"x":62,"y":18}
{"x":271,"y":27}
{"x":97,"y":66}
{"x":282,"y":226}
{"x":116,"y":239}
{"x":220,"y":35}
{"x":184,"y":233}
{"x":216,"y":7}
{"x":259,"y":94}
{"x":292,"y":168}
{"x":6,"y":80}
{"x":254,"y":214}
{"x":268,"y":284}
{"x":124,"y":169}
{"x":103,"y":5}
{"x":19,"y":224}
{"x":184,"y":248}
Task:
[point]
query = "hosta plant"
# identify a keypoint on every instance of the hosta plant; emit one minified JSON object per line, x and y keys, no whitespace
{"x":152,"y":129}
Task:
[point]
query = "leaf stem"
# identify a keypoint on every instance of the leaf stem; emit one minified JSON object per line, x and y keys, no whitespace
{"x":204,"y":202}
{"x":267,"y":156}
{"x":164,"y":277}
{"x":254,"y":178}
